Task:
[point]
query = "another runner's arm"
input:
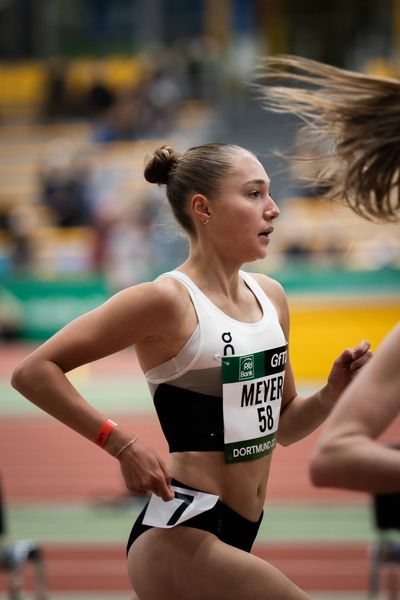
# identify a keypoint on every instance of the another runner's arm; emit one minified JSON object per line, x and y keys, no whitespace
{"x":128,"y":317}
{"x":347,"y":454}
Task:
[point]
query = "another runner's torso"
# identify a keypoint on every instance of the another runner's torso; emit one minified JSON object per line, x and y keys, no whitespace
{"x":197,"y":458}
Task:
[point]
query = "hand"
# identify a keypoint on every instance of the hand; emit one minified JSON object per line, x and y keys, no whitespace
{"x":144,"y":472}
{"x":345,"y":368}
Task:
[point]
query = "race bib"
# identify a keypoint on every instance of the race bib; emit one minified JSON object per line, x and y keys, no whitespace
{"x":252,"y":394}
{"x":185,"y":505}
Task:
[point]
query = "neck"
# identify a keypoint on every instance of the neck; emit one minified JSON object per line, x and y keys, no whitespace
{"x":211,"y":273}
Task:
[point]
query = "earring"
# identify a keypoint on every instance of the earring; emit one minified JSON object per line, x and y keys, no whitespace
{"x":206,"y":221}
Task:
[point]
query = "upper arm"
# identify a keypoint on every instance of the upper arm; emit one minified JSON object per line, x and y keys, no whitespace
{"x":371,"y":402}
{"x":129,"y":317}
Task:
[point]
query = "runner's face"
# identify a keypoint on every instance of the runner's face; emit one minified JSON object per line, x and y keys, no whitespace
{"x":244,"y":212}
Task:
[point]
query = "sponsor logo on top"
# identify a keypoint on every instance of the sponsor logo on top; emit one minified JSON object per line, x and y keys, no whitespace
{"x":246,"y":367}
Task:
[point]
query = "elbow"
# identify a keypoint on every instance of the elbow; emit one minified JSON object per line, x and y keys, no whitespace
{"x":340,"y":463}
{"x":320,"y":470}
{"x":327,"y":465}
{"x":19,"y":377}
{"x":286,"y":435}
{"x":25,"y":375}
{"x":285,"y":440}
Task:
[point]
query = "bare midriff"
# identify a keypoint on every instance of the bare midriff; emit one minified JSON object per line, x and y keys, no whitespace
{"x":241,"y":486}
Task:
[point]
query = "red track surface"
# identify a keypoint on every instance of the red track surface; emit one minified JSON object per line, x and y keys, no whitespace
{"x":315,"y":567}
{"x":43,"y":460}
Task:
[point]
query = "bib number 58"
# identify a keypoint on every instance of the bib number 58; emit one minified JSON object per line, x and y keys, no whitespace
{"x":265,"y":418}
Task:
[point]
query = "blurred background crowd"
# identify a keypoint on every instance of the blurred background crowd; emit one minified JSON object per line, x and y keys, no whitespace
{"x":88,"y":87}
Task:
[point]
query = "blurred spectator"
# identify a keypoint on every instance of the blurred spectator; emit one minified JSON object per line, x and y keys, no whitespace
{"x":163,"y":95}
{"x":194,"y":52}
{"x":100,"y":99}
{"x":56,"y":102}
{"x":64,"y":185}
{"x":127,"y":119}
{"x":204,"y":67}
{"x":150,"y":108}
{"x":128,"y":252}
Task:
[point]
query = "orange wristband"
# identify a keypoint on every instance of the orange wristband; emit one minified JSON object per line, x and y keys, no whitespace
{"x":104,"y":432}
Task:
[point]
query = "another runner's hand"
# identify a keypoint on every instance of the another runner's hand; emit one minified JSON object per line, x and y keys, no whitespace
{"x":144,"y":471}
{"x":345,"y":367}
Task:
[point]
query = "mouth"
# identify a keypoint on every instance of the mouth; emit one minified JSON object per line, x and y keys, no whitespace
{"x":266,"y":233}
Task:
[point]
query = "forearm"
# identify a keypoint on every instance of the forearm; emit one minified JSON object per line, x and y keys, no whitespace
{"x":356,"y":462}
{"x":44,"y":384}
{"x":301,"y":416}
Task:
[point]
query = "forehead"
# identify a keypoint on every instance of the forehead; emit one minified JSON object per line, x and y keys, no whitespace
{"x":246,"y":167}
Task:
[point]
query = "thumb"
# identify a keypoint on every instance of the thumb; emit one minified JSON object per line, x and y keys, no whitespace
{"x":166,"y":491}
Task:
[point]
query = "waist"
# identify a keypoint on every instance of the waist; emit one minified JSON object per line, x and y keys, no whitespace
{"x":241,"y":486}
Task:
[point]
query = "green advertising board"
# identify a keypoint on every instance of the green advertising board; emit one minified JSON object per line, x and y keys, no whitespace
{"x":43,"y":306}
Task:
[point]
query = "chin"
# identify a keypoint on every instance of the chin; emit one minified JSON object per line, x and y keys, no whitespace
{"x":255,"y":257}
{"x":255,"y":253}
{"x":261,"y":253}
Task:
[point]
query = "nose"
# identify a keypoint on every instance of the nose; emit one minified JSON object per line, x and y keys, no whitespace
{"x":271,"y":210}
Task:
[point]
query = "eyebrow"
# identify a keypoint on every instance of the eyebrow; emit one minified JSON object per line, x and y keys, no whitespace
{"x":259,"y":181}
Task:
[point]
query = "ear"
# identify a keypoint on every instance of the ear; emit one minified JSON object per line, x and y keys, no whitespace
{"x":200,"y":208}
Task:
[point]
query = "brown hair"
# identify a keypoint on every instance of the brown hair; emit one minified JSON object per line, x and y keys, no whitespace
{"x":351,"y":143}
{"x":200,"y":169}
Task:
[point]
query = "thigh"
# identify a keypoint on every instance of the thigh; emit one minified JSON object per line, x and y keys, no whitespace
{"x":190,"y":564}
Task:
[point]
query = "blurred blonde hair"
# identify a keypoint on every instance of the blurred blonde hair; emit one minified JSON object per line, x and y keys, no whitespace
{"x":350,"y":141}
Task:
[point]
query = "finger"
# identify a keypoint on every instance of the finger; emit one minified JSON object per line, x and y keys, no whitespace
{"x":163,"y":489}
{"x":165,"y":470}
{"x":360,"y":362}
{"x":166,"y":483}
{"x":158,"y":485}
{"x":361,"y":348}
{"x":345,"y":358}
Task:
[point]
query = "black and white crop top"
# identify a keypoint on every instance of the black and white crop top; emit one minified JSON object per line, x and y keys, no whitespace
{"x":187,"y":389}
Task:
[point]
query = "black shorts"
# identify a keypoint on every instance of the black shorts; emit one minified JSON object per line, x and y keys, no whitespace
{"x":222,"y":521}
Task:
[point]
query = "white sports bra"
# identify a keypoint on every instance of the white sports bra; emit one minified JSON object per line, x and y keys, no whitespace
{"x":187,"y":389}
{"x":197,"y":366}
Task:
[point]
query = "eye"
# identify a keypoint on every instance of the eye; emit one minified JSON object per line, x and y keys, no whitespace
{"x":255,"y":194}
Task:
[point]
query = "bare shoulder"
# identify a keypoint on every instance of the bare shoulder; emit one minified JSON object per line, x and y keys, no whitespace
{"x":268,"y":283}
{"x":273,"y":289}
{"x":169,"y":296}
{"x":146,"y":314}
{"x":140,"y":313}
{"x":154,"y":304}
{"x":163,"y":292}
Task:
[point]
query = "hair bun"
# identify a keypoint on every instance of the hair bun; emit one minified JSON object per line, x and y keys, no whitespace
{"x":158,"y":165}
